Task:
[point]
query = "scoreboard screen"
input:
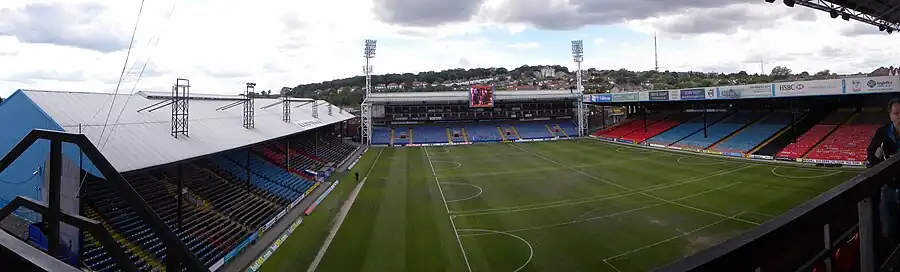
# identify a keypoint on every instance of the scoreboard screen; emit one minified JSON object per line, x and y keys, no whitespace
{"x":481,"y":97}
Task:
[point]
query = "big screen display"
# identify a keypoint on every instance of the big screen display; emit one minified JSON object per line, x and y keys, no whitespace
{"x":481,"y":97}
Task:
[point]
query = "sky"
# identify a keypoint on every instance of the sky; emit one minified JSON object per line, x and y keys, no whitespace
{"x":82,"y":45}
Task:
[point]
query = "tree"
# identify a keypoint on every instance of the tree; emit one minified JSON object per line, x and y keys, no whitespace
{"x":781,"y":72}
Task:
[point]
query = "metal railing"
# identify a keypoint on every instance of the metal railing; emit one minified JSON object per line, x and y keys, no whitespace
{"x":809,"y":236}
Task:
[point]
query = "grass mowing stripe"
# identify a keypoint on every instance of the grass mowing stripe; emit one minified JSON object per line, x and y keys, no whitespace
{"x":570,"y":202}
{"x":576,"y":221}
{"x":629,"y":189}
{"x":444,"y":199}
{"x":341,"y":215}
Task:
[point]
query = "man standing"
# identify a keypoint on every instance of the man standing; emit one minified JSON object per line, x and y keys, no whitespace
{"x":884,"y":144}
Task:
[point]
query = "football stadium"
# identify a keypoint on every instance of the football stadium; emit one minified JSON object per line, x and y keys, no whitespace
{"x":774,"y":176}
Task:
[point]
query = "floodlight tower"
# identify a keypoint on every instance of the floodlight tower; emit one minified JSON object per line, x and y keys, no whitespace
{"x":578,"y":56}
{"x":366,"y":111}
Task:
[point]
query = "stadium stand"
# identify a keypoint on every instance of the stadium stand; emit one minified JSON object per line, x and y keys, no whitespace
{"x":533,"y":131}
{"x":218,"y":210}
{"x":686,"y":129}
{"x":848,"y":142}
{"x":568,"y":129}
{"x":381,"y":135}
{"x":457,"y":135}
{"x":631,"y":126}
{"x":670,"y":121}
{"x":429,"y":135}
{"x":718,"y":130}
{"x":483,"y":133}
{"x":755,"y":134}
{"x":808,"y":140}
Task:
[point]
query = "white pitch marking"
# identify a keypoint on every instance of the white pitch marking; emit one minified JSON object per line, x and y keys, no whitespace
{"x":610,"y":265}
{"x":774,"y":172}
{"x":577,"y":201}
{"x":670,"y":239}
{"x":480,"y":190}
{"x":530,"y":249}
{"x":458,"y":165}
{"x":627,"y":212}
{"x":639,"y":151}
{"x":639,"y":192}
{"x":700,"y":164}
{"x":444,"y":199}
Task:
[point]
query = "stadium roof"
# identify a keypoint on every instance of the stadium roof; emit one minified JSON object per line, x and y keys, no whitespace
{"x":463,"y":96}
{"x":137,"y":140}
{"x":884,"y":14}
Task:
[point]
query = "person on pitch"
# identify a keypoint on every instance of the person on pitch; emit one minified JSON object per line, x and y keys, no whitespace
{"x":885,"y":144}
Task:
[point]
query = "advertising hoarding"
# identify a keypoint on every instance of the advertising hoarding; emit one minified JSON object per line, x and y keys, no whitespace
{"x":674,"y":95}
{"x":692,"y":94}
{"x":711,"y":93}
{"x":597,"y":98}
{"x":814,"y":87}
{"x":746,"y":91}
{"x":878,"y":84}
{"x":658,"y":95}
{"x":625,"y":97}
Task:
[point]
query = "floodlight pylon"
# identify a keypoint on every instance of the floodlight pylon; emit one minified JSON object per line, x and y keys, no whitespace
{"x":580,"y":115}
{"x":366,"y":113}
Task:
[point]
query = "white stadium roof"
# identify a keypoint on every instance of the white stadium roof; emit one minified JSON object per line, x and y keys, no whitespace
{"x":463,"y":96}
{"x":139,"y":140}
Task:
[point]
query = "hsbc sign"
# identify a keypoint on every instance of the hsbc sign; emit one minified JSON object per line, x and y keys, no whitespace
{"x":815,"y":87}
{"x":791,"y":87}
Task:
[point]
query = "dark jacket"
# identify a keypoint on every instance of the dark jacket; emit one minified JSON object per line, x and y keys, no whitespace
{"x":883,"y":139}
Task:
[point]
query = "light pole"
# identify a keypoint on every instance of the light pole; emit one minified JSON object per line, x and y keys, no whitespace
{"x":366,"y":107}
{"x":580,"y":115}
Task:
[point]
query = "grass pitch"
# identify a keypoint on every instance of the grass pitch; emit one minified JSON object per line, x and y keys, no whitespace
{"x":578,"y":205}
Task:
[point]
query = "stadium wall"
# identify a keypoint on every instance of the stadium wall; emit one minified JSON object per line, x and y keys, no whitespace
{"x":18,"y":116}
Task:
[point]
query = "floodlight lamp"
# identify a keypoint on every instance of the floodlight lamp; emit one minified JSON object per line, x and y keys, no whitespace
{"x":251,"y":85}
{"x":881,"y":28}
{"x":834,"y":14}
{"x":789,"y":3}
{"x":890,"y":30}
{"x":370,"y":48}
{"x":770,"y":1}
{"x":845,"y":16}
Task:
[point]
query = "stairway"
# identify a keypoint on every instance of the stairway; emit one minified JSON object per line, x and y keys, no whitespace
{"x":516,"y":131}
{"x":550,"y":130}
{"x":502,"y":135}
{"x":409,"y":135}
{"x":392,"y":136}
{"x":465,"y":136}
{"x":562,"y":130}
{"x":449,"y":137}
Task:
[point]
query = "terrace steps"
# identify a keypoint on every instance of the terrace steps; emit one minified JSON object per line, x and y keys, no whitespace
{"x":502,"y":135}
{"x":392,"y":136}
{"x":562,"y":130}
{"x":550,"y":130}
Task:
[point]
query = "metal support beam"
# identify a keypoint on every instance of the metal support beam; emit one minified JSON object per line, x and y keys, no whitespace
{"x":249,"y":174}
{"x":114,"y":178}
{"x":366,"y":124}
{"x":54,"y":214}
{"x":180,"y":195}
{"x":866,"y":235}
{"x":86,"y":224}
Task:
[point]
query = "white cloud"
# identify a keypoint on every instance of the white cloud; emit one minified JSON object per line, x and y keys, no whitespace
{"x":221,"y":45}
{"x":525,"y":45}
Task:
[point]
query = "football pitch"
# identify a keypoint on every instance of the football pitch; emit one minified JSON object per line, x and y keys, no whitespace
{"x":580,"y":205}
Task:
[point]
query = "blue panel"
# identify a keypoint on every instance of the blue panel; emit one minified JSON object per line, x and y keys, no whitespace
{"x":18,"y":116}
